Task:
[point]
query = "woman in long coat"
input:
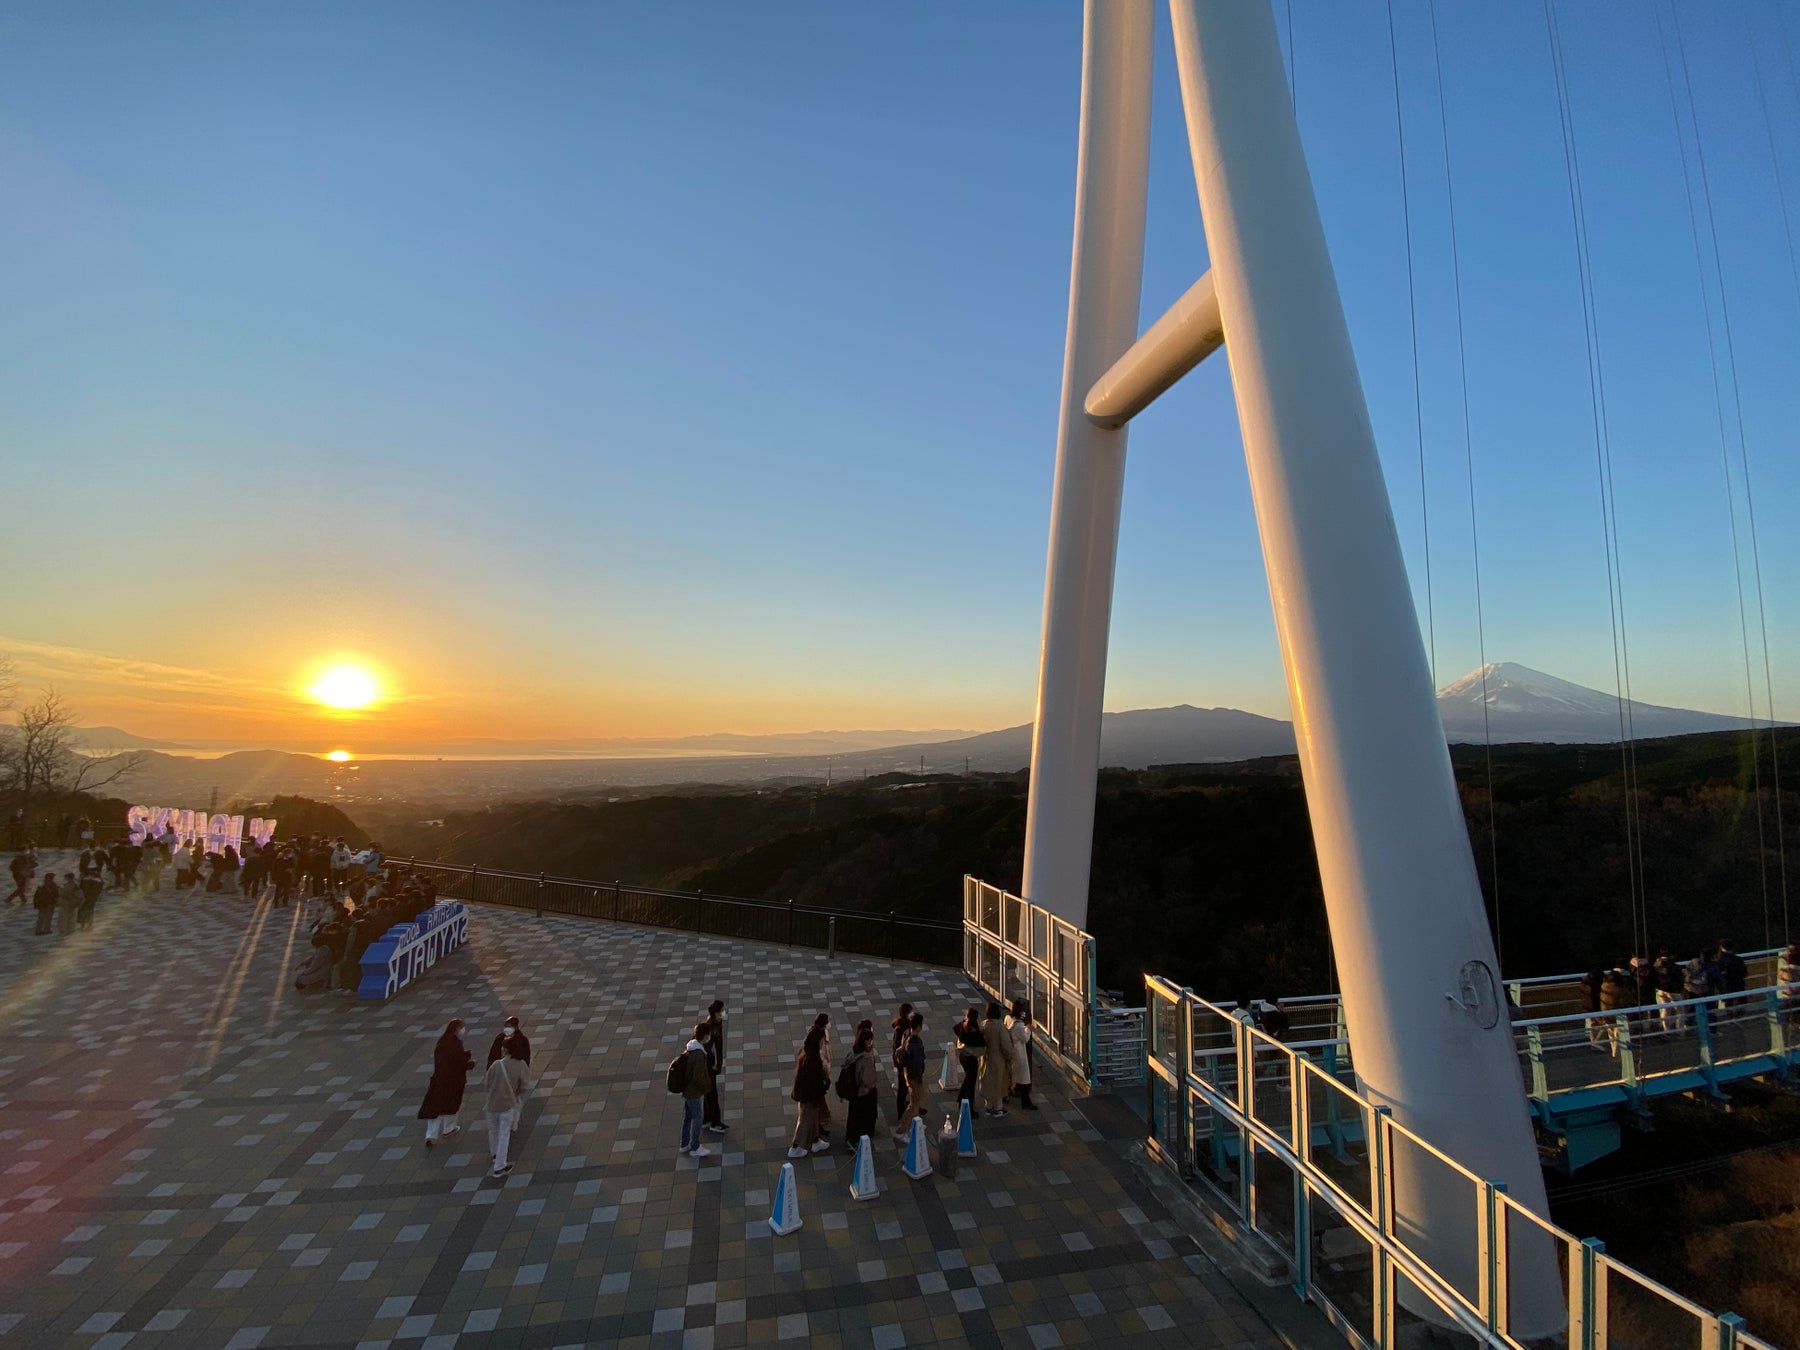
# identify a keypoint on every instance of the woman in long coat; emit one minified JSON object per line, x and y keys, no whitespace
{"x":450,"y":1065}
{"x":812,"y":1080}
{"x":1020,"y":1032}
{"x":996,"y":1076}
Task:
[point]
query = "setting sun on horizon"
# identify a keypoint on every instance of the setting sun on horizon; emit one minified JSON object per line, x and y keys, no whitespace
{"x":346,"y":688}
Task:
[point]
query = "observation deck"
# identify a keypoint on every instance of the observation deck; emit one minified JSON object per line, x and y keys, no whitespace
{"x":199,"y":1155}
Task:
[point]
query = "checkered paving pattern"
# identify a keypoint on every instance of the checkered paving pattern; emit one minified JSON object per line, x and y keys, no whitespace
{"x":194,"y":1154}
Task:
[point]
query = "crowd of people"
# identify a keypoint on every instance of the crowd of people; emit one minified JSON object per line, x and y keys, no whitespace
{"x":355,"y":894}
{"x":1670,"y":986}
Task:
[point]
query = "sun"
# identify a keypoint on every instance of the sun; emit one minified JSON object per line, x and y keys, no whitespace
{"x":339,"y":757}
{"x":345,"y":687}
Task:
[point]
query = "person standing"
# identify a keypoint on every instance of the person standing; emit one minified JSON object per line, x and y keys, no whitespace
{"x":996,"y":1068}
{"x":68,"y":902}
{"x":1733,"y":973}
{"x":969,"y":1045}
{"x":715,"y":1053}
{"x":450,"y":1065}
{"x":505,"y":1085}
{"x":823,"y":1023}
{"x":44,"y":900}
{"x":695,"y":1084}
{"x":511,"y":1032}
{"x":901,"y":1028}
{"x":918,"y":1082}
{"x":91,"y":886}
{"x":859,"y":1118}
{"x":812,"y":1080}
{"x":1020,"y":1032}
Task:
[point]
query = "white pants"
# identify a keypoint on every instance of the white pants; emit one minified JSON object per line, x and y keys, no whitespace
{"x":1673,"y":1019}
{"x":499,"y":1125}
{"x":440,"y":1127}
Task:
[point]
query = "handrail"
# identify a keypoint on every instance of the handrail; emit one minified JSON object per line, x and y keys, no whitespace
{"x":1229,"y":1092}
{"x":1052,"y":962}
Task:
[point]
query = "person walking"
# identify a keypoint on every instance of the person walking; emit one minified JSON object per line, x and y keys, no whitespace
{"x":969,"y":1045}
{"x":1667,"y":976}
{"x":996,"y":1062}
{"x":812,"y":1080}
{"x":23,"y":866}
{"x":901,"y":1027}
{"x":695,"y":1084}
{"x":450,"y":1065}
{"x":1020,"y":1033}
{"x":505,"y":1087}
{"x":511,"y":1031}
{"x":715,"y":1053}
{"x":860,"y":1117}
{"x":44,"y":900}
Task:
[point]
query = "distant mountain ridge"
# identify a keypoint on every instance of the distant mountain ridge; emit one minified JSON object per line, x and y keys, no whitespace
{"x":1522,"y":705}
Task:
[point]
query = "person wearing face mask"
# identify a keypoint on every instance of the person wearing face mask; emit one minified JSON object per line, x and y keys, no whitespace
{"x":450,"y":1065}
{"x":512,"y":1040}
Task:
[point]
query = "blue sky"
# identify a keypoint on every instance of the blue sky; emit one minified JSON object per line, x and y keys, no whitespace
{"x":643,"y":369}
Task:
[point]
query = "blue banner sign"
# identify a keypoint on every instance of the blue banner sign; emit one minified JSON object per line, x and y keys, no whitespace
{"x":408,"y":950}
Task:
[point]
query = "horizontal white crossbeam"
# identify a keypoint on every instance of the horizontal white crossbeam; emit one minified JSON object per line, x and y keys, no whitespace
{"x":1172,"y":346}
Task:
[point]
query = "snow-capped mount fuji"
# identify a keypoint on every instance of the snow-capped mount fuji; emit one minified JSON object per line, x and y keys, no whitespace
{"x":1528,"y":705}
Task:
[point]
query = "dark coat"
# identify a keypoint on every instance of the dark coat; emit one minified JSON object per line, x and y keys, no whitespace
{"x":811,"y":1080}
{"x":522,"y":1051}
{"x":450,"y":1065}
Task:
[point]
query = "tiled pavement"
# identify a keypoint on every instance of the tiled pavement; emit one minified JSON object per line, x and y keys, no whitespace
{"x":193,"y":1154}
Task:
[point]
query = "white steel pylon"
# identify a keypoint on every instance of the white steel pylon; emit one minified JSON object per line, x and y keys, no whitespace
{"x":1416,"y":963}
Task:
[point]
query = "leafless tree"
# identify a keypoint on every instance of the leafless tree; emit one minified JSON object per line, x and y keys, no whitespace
{"x":37,"y":754}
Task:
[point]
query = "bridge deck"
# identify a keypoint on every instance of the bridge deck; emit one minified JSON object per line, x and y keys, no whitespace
{"x":198,"y":1155}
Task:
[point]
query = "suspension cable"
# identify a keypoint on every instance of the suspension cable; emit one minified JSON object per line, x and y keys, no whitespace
{"x":1762,"y":863}
{"x":1462,"y":368}
{"x":1762,"y":616}
{"x":1412,"y":306}
{"x":1637,"y":891}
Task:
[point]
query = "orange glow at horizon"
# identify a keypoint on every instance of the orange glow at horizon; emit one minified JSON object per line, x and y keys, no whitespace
{"x":339,"y":757}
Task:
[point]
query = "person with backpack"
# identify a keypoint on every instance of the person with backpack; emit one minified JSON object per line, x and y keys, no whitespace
{"x":969,"y":1045}
{"x":812,"y":1080}
{"x":690,"y":1075}
{"x":857,"y":1085}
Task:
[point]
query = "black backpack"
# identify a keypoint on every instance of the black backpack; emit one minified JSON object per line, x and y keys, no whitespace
{"x":678,"y":1073}
{"x":846,"y":1080}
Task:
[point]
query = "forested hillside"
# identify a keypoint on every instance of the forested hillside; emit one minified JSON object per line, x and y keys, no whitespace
{"x":1207,"y":873}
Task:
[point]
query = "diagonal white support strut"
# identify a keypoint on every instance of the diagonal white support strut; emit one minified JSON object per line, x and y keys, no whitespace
{"x":1185,"y":336}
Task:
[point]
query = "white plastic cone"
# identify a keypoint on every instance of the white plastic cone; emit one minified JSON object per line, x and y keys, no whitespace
{"x":965,"y":1132}
{"x":948,"y":1076}
{"x":918,"y":1151}
{"x":863,"y":1185}
{"x":785,"y":1217}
